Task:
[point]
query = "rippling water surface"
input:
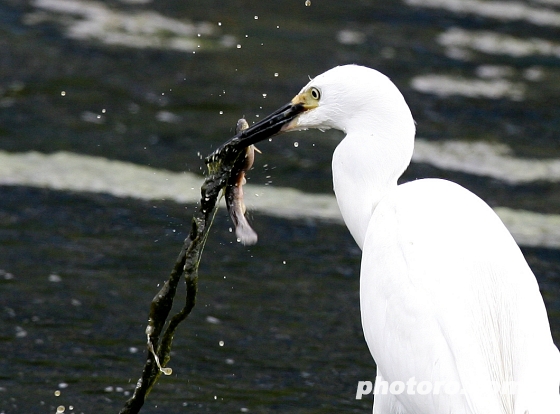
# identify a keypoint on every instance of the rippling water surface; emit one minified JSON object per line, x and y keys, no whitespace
{"x":106,"y":109}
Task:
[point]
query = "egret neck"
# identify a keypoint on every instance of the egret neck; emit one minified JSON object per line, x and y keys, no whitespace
{"x":370,"y":159}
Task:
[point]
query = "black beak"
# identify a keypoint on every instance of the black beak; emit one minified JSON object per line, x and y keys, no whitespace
{"x":267,"y":127}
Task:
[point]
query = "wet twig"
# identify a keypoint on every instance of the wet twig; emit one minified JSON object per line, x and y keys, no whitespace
{"x":220,"y":165}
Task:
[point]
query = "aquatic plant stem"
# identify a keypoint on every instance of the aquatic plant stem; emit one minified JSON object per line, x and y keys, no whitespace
{"x":219,"y":165}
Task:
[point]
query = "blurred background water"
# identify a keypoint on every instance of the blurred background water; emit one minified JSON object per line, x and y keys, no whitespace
{"x":106,"y":109}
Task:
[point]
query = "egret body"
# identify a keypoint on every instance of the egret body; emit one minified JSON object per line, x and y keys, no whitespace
{"x":446,"y":296}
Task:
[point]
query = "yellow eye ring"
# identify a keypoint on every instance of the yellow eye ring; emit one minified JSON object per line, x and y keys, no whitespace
{"x":315,"y":93}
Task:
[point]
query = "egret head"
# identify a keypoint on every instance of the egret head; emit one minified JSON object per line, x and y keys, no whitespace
{"x":350,"y":98}
{"x":338,"y":97}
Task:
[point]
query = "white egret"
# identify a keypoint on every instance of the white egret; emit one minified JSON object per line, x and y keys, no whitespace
{"x":447,"y":298}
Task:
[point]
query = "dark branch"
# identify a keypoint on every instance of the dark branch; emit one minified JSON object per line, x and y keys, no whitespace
{"x":219,"y":165}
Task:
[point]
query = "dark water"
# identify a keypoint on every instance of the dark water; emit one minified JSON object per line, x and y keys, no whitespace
{"x":79,"y":270}
{"x":289,"y":321}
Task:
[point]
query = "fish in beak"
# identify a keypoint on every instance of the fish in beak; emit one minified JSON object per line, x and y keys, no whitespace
{"x":282,"y":120}
{"x":273,"y":124}
{"x":234,"y":158}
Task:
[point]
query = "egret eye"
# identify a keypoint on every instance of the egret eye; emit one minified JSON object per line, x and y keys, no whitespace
{"x":315,"y":93}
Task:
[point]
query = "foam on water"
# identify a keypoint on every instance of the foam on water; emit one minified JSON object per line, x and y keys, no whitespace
{"x":91,"y":20}
{"x":486,"y":159}
{"x":531,"y":229}
{"x":447,"y":85}
{"x":496,"y":43}
{"x":548,"y":2}
{"x":73,"y":172}
{"x":500,"y":10}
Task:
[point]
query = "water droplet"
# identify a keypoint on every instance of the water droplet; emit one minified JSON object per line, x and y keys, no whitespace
{"x":55,"y":278}
{"x":264,"y":95}
{"x":63,"y":93}
{"x":221,"y":343}
{"x":60,"y":409}
{"x":256,"y":17}
{"x":167,"y":371}
{"x":219,"y":23}
{"x":276,"y":75}
{"x":221,"y":112}
{"x":296,"y":144}
{"x":308,"y":3}
{"x":213,"y":320}
{"x":283,"y":262}
{"x":57,"y":393}
{"x":20,"y":332}
{"x":103,"y":110}
{"x":63,"y":385}
{"x":239,"y":46}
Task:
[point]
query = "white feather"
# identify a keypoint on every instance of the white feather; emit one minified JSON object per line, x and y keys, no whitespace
{"x":446,"y":295}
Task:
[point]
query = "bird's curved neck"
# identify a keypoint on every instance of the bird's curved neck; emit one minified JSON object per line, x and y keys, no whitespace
{"x":366,"y":166}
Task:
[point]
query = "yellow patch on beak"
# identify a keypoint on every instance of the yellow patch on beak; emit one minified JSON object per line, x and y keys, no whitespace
{"x":306,"y":99}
